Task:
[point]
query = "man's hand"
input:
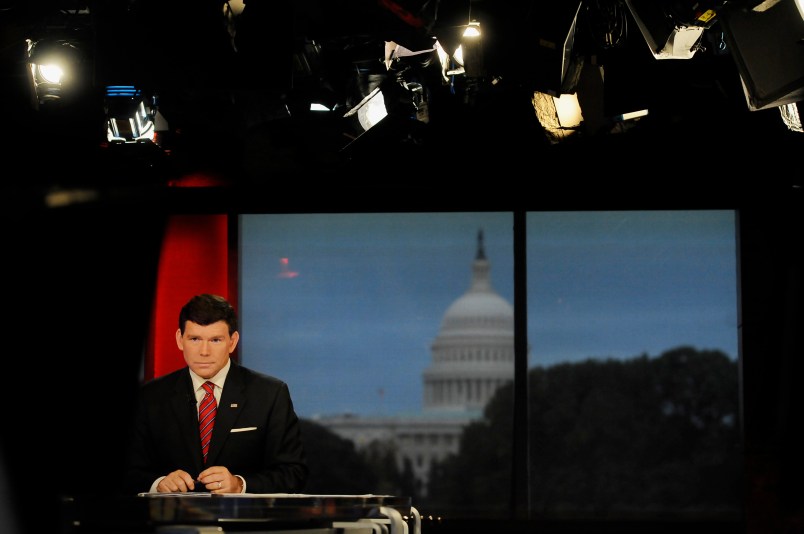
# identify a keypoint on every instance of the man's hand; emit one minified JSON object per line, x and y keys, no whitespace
{"x":176,"y":482}
{"x":218,"y":479}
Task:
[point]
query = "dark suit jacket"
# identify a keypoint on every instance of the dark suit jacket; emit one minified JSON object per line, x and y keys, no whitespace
{"x":256,"y":433}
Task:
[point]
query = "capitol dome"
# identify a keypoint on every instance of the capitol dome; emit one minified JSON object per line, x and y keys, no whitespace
{"x":478,"y":313}
{"x":473,"y":353}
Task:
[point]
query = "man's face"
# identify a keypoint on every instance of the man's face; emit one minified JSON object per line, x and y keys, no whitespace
{"x":206,"y":348}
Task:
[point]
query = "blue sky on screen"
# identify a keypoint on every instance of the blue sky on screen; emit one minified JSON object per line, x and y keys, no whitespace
{"x":345,"y":307}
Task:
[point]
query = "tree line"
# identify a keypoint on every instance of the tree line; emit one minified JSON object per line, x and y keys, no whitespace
{"x":641,"y":437}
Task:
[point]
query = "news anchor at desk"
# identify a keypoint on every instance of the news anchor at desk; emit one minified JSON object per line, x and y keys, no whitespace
{"x":256,"y":443}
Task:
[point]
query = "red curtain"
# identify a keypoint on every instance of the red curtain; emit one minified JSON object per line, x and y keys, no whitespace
{"x":195,"y":258}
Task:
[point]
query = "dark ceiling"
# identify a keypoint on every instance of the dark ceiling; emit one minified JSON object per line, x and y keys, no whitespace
{"x":240,"y":117}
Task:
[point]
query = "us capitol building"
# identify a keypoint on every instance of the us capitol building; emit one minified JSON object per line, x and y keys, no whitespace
{"x":472,"y":356}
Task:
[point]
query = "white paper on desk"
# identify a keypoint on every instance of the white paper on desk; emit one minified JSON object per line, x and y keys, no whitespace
{"x":176,"y":494}
{"x":261,"y":495}
{"x":301,"y":495}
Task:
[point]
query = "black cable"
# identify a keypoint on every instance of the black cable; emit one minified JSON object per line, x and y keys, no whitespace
{"x":607,"y":22}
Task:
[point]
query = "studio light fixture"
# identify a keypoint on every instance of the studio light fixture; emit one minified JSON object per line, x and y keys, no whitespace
{"x":370,"y":110}
{"x":767,"y":44}
{"x":394,"y":111}
{"x":673,"y":30}
{"x":59,"y":56}
{"x":53,"y":66}
{"x":560,"y":116}
{"x":131,"y":117}
{"x":467,"y":56}
{"x":470,"y":52}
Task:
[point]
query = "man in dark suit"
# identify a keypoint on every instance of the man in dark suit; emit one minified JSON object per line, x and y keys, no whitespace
{"x":256,"y":444}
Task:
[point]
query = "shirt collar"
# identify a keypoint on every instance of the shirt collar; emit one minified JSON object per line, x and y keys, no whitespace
{"x":218,"y":379}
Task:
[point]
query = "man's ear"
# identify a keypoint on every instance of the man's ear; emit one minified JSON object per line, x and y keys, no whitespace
{"x":179,"y":340}
{"x":234,"y":339}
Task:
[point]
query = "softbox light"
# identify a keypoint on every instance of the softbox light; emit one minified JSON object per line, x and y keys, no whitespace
{"x":667,"y":33}
{"x":767,"y":44}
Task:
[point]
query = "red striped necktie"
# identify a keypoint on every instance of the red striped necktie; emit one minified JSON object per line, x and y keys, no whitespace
{"x":206,"y":417}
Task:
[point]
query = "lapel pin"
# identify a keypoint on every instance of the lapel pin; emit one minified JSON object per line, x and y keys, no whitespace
{"x":233,"y":405}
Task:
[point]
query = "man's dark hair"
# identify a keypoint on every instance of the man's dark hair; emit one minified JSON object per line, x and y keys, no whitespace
{"x":206,"y":309}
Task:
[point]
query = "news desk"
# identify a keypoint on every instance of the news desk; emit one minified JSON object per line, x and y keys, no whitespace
{"x":202,"y":513}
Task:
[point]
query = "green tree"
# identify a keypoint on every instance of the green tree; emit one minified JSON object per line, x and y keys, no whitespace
{"x":619,"y":437}
{"x":381,"y":457}
{"x":477,"y":480}
{"x":609,"y":438}
{"x":335,"y":466}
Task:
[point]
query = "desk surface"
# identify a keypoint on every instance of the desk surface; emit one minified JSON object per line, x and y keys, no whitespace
{"x":268,"y":511}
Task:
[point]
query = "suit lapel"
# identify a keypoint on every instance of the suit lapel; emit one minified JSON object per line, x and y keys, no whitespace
{"x":184,"y":406}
